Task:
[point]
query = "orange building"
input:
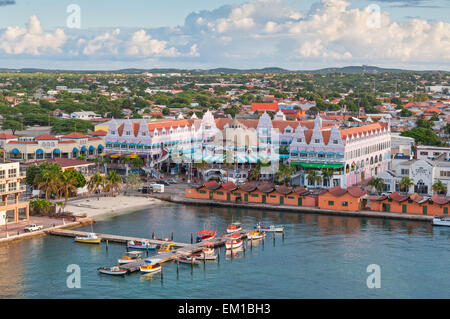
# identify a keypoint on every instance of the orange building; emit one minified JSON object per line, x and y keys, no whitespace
{"x":411,"y":204}
{"x":337,"y":198}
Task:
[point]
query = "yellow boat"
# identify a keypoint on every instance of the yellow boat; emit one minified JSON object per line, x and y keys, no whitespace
{"x":91,"y":238}
{"x":166,"y":248}
{"x":256,"y":235}
{"x":150,"y":268}
{"x":130,"y":257}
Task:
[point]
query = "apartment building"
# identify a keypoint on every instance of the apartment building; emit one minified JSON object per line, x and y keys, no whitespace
{"x":11,"y":210}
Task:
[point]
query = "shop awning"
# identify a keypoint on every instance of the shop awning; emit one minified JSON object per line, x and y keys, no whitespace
{"x":318,"y":165}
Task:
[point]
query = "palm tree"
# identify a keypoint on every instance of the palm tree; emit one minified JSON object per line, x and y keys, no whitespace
{"x":405,"y":183}
{"x":313,"y":177}
{"x":113,"y":181}
{"x":377,"y":183}
{"x":284,"y":173}
{"x":327,"y":174}
{"x":96,"y":183}
{"x":439,"y":187}
{"x":49,"y":180}
{"x":67,"y":185}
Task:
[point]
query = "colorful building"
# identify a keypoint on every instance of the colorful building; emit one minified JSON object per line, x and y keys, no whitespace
{"x":12,"y":210}
{"x":337,"y":198}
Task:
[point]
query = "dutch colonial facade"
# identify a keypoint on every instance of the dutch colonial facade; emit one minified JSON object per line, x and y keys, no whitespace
{"x":12,"y":211}
{"x":48,"y":146}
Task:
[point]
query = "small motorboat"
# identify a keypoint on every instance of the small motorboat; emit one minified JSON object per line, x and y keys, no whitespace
{"x":270,"y":228}
{"x":205,"y":235}
{"x":90,"y":238}
{"x":130,"y":257}
{"x":233,"y":242}
{"x":140,"y":244}
{"x":208,"y":250}
{"x":232,"y":228}
{"x":150,"y":268}
{"x":115,"y":271}
{"x":187,"y":260}
{"x":441,"y":220}
{"x":166,"y":248}
{"x":256,"y":235}
{"x":201,"y":256}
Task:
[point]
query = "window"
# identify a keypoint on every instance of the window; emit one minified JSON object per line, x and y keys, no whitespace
{"x":202,"y":192}
{"x":299,"y":140}
{"x":2,"y":188}
{"x":317,"y":141}
{"x":113,"y":132}
{"x":404,"y":171}
{"x":2,"y":174}
{"x":12,"y":186}
{"x":335,"y":142}
{"x":219,"y":193}
{"x":12,"y":172}
{"x":330,"y":203}
{"x":423,"y":153}
{"x":128,"y":133}
{"x":254,"y":195}
{"x":345,"y":204}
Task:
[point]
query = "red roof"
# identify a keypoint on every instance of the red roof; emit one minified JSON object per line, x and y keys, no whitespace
{"x":94,"y":138}
{"x":63,"y":162}
{"x":66,"y":142}
{"x":212,"y":185}
{"x":98,"y":133}
{"x":397,"y":197}
{"x":337,"y":191}
{"x":441,"y":200}
{"x":264,"y":106}
{"x":45,"y":137}
{"x":356,"y":191}
{"x":4,"y":136}
{"x":22,"y":142}
{"x":74,"y":135}
{"x":229,"y":186}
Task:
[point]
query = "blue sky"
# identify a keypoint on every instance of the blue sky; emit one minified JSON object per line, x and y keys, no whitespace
{"x":303,"y":34}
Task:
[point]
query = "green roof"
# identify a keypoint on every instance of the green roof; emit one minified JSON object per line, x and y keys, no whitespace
{"x":318,"y":165}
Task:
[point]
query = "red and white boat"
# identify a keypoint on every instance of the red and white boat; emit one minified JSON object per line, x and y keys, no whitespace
{"x":208,"y":249}
{"x":201,"y":256}
{"x":271,"y":228}
{"x":205,"y":235}
{"x":187,"y":260}
{"x":232,"y":228}
{"x":233,"y":242}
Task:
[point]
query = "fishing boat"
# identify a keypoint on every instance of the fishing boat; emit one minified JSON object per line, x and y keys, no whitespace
{"x":233,"y":242}
{"x":205,"y":235}
{"x":270,"y":228}
{"x":256,"y":235}
{"x":441,"y":220}
{"x":90,"y":238}
{"x":115,"y":271}
{"x":150,"y":268}
{"x":166,"y":248}
{"x":140,"y":244}
{"x":208,"y":249}
{"x":187,"y":260}
{"x":232,"y":228}
{"x":130,"y":257}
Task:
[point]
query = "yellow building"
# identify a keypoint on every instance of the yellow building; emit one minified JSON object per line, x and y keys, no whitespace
{"x":11,"y":210}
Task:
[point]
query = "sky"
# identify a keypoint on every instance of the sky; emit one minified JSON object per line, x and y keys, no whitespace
{"x":202,"y":34}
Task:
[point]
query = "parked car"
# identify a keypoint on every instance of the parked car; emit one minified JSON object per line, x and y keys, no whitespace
{"x":33,"y":227}
{"x":162,"y":182}
{"x":171,"y":181}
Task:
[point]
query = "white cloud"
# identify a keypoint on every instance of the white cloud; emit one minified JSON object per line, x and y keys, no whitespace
{"x":107,"y":43}
{"x":141,"y":44}
{"x":32,"y":39}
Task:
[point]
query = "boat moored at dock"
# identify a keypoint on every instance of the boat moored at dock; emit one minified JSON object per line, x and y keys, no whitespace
{"x":270,"y":228}
{"x":256,"y":235}
{"x":187,"y":260}
{"x":90,"y":238}
{"x":115,"y":271}
{"x":205,"y":235}
{"x":166,"y":248}
{"x":232,"y":228}
{"x":233,"y":242}
{"x":129,"y":257}
{"x":150,"y":268}
{"x":140,"y":244}
{"x":441,"y":220}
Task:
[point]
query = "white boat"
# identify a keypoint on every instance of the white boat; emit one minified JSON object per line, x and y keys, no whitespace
{"x":270,"y":228}
{"x":234,"y":242}
{"x":201,"y":256}
{"x":140,"y":244}
{"x":150,"y":268}
{"x":441,"y":220}
{"x":115,"y":271}
{"x":187,"y":260}
{"x":232,"y":228}
{"x":129,"y":257}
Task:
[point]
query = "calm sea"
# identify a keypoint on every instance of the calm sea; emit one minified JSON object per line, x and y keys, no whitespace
{"x":320,"y":257}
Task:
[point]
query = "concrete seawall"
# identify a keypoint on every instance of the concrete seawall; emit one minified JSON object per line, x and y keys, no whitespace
{"x":40,"y":233}
{"x":292,"y":209}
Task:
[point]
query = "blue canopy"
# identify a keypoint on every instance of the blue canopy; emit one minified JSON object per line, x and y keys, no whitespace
{"x":330,"y":153}
{"x":294,"y":151}
{"x":131,"y":144}
{"x":15,"y":151}
{"x":91,"y":148}
{"x":321,"y":153}
{"x":108,"y":143}
{"x":100,"y":147}
{"x":39,"y":151}
{"x":84,"y":148}
{"x":303,"y":152}
{"x":56,"y":151}
{"x":124,"y":143}
{"x":75,"y":150}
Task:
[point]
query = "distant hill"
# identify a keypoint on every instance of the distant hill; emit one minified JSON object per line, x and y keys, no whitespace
{"x":347,"y":69}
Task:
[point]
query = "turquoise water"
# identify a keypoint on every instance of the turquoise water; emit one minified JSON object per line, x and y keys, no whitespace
{"x":320,"y":257}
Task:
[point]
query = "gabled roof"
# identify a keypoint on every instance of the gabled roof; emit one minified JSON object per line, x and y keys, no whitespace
{"x":229,"y":186}
{"x":282,"y":189}
{"x":356,"y":191}
{"x":441,"y":200}
{"x":397,"y":197}
{"x":4,"y":136}
{"x":337,"y":191}
{"x":301,"y":190}
{"x":74,"y":135}
{"x":212,"y":185}
{"x":266,"y":188}
{"x":248,"y":187}
{"x":45,"y":137}
{"x":98,"y":133}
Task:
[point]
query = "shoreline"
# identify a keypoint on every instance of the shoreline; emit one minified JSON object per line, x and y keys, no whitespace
{"x":293,"y":209}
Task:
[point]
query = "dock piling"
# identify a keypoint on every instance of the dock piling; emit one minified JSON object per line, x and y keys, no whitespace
{"x":282,"y":236}
{"x":274,"y":239}
{"x":192,"y":238}
{"x":178,"y":268}
{"x":153,"y":234}
{"x":107,"y":245}
{"x":171,"y":236}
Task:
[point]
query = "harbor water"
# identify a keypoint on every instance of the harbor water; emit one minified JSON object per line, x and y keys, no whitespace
{"x":320,"y":257}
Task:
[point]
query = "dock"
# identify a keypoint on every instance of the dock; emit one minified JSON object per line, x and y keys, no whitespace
{"x":181,"y":249}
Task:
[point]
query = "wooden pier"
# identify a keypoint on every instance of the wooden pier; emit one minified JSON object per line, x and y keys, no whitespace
{"x":182,"y":249}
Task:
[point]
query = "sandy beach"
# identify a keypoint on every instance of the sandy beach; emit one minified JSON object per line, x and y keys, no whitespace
{"x":94,"y":207}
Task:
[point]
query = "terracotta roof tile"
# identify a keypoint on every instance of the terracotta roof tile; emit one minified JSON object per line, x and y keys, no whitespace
{"x":266,"y":187}
{"x":337,"y":191}
{"x":4,"y":136}
{"x":74,"y":135}
{"x":229,"y":186}
{"x":212,"y":185}
{"x":45,"y":137}
{"x":300,"y":190}
{"x":282,"y":189}
{"x":441,"y":200}
{"x":397,"y":197}
{"x":356,"y":191}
